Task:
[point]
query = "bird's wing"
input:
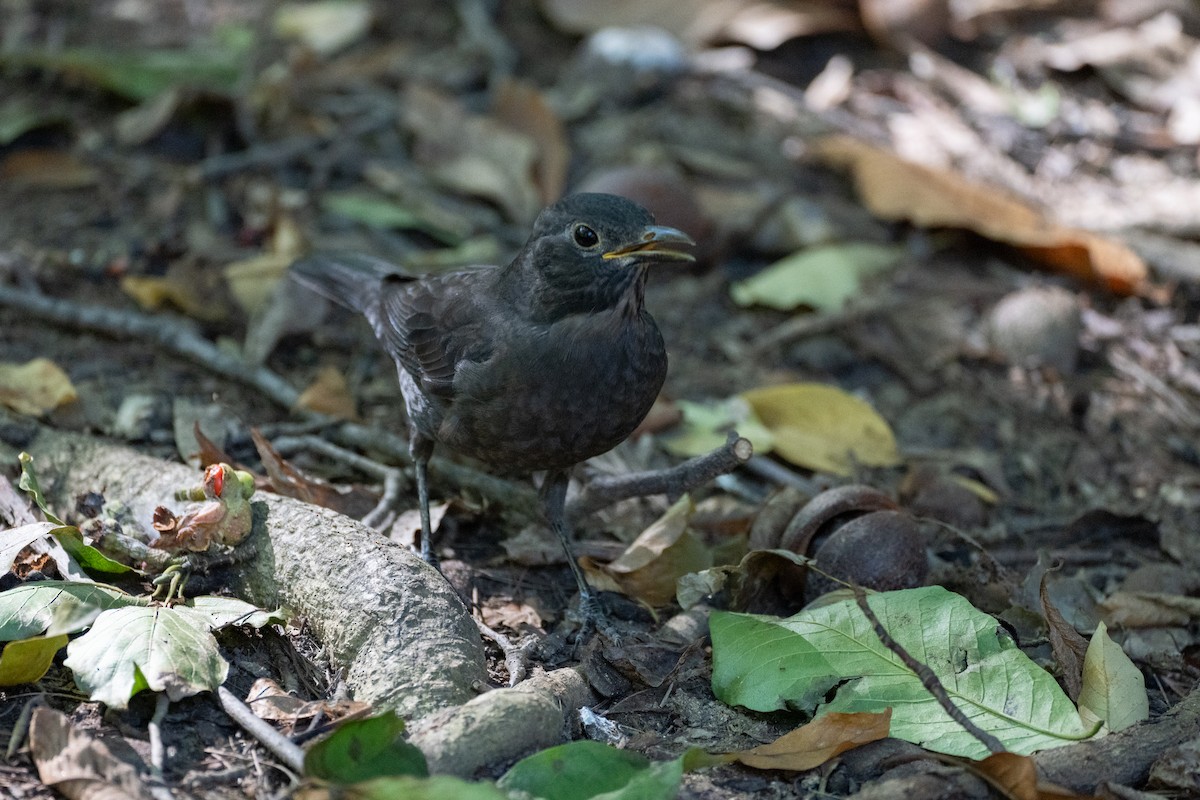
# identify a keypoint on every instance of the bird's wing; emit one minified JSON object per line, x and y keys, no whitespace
{"x":433,"y":325}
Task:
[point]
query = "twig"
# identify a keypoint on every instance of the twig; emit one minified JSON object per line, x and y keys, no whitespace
{"x":516,"y":656}
{"x":928,"y":679}
{"x":291,"y":755}
{"x":175,"y":335}
{"x":778,"y":473}
{"x":392,"y":478}
{"x":799,"y":327}
{"x":161,"y":704}
{"x":673,"y":482}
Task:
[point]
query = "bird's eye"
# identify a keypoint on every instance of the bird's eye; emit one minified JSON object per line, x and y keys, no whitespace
{"x":585,"y":236}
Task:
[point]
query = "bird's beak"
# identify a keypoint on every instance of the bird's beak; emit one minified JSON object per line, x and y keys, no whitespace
{"x":657,"y":243}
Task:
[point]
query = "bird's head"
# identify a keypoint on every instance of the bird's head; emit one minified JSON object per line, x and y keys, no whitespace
{"x":589,"y":252}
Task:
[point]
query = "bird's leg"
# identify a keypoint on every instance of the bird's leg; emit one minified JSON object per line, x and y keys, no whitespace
{"x":421,"y":449}
{"x":554,"y":499}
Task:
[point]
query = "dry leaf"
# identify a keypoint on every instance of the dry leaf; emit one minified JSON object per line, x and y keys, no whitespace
{"x":1149,"y":610}
{"x":329,"y":394}
{"x":252,"y":280}
{"x":523,"y":108}
{"x":47,"y":169}
{"x":186,"y":286}
{"x":895,"y":189}
{"x":667,"y":550}
{"x":472,"y":154}
{"x":1068,"y":646}
{"x":80,"y":766}
{"x":35,"y":387}
{"x":823,"y":428}
{"x":268,"y":700}
{"x":289,"y":481}
{"x":811,"y":745}
{"x":326,"y":26}
{"x":1016,"y":776}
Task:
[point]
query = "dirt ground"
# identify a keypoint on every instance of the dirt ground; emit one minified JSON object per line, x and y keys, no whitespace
{"x":1032,"y":342}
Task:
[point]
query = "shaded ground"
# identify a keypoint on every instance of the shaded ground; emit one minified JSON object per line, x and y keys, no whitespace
{"x":1044,"y":418}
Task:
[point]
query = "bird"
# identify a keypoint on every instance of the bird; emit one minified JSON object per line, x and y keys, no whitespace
{"x":532,"y":366}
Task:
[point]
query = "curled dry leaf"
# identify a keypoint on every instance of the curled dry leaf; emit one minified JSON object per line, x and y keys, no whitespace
{"x":329,"y":394}
{"x":811,"y":745}
{"x":1016,"y":776}
{"x":79,"y":765}
{"x":896,"y":189}
{"x":650,"y":567}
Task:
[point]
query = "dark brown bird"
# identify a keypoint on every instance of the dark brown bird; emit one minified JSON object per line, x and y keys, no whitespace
{"x":536,"y":365}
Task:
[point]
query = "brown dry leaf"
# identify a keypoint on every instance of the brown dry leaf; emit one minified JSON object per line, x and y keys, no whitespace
{"x":185,"y":287}
{"x":472,"y":154}
{"x":80,"y":766}
{"x":47,"y":169}
{"x":511,"y":615}
{"x":210,"y":452}
{"x":329,"y":394}
{"x":252,"y":280}
{"x":1149,"y":610}
{"x":667,"y":550}
{"x":269,"y":701}
{"x":289,"y":481}
{"x":1068,"y":646}
{"x":406,"y":530}
{"x":520,"y":106}
{"x":895,"y":189}
{"x":811,"y":745}
{"x":823,"y":428}
{"x":1016,"y":776}
{"x":35,"y":387}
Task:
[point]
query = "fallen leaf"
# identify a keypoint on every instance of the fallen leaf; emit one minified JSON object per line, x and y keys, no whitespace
{"x":521,"y":107}
{"x":252,"y":280}
{"x":1016,"y":776}
{"x":1114,"y":690}
{"x":35,"y":387}
{"x":812,"y":745}
{"x":823,"y":428}
{"x":269,"y":701}
{"x":80,"y":766}
{"x":895,"y":189}
{"x":1068,"y":646}
{"x":326,"y":26}
{"x":652,"y":564}
{"x":473,"y":154}
{"x":47,"y":169}
{"x":290,"y":481}
{"x":1149,"y":609}
{"x":329,"y":394}
{"x":822,"y":277}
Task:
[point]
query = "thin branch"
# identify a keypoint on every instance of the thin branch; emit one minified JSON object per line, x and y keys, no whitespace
{"x":928,"y":679}
{"x":176,"y":335}
{"x":673,"y":482}
{"x":291,"y":755}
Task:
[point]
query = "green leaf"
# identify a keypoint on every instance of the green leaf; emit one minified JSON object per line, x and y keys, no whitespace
{"x":28,"y":609}
{"x":87,"y":556}
{"x":376,"y":211}
{"x":440,"y":787}
{"x":26,"y":660}
{"x":705,"y":426}
{"x":29,"y":483}
{"x":141,"y":74}
{"x":363,"y":749}
{"x":765,"y":663}
{"x":586,"y":769}
{"x":21,"y":116}
{"x":822,"y":277}
{"x":1114,"y":690}
{"x":133,"y":648}
{"x":225,"y":611}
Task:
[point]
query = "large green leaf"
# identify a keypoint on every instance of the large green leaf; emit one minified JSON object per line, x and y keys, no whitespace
{"x":766,"y":663}
{"x":28,"y":609}
{"x":363,"y":749}
{"x":584,"y":770}
{"x":129,"y":649}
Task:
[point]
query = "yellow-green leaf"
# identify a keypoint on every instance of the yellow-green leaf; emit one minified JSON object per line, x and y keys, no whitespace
{"x":822,"y":277}
{"x":26,"y":660}
{"x":1114,"y":690}
{"x":823,"y":428}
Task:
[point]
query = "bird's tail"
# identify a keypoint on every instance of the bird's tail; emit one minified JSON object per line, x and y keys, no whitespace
{"x":350,"y":279}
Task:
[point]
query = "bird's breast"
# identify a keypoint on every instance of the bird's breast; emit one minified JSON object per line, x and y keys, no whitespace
{"x":555,"y":395}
